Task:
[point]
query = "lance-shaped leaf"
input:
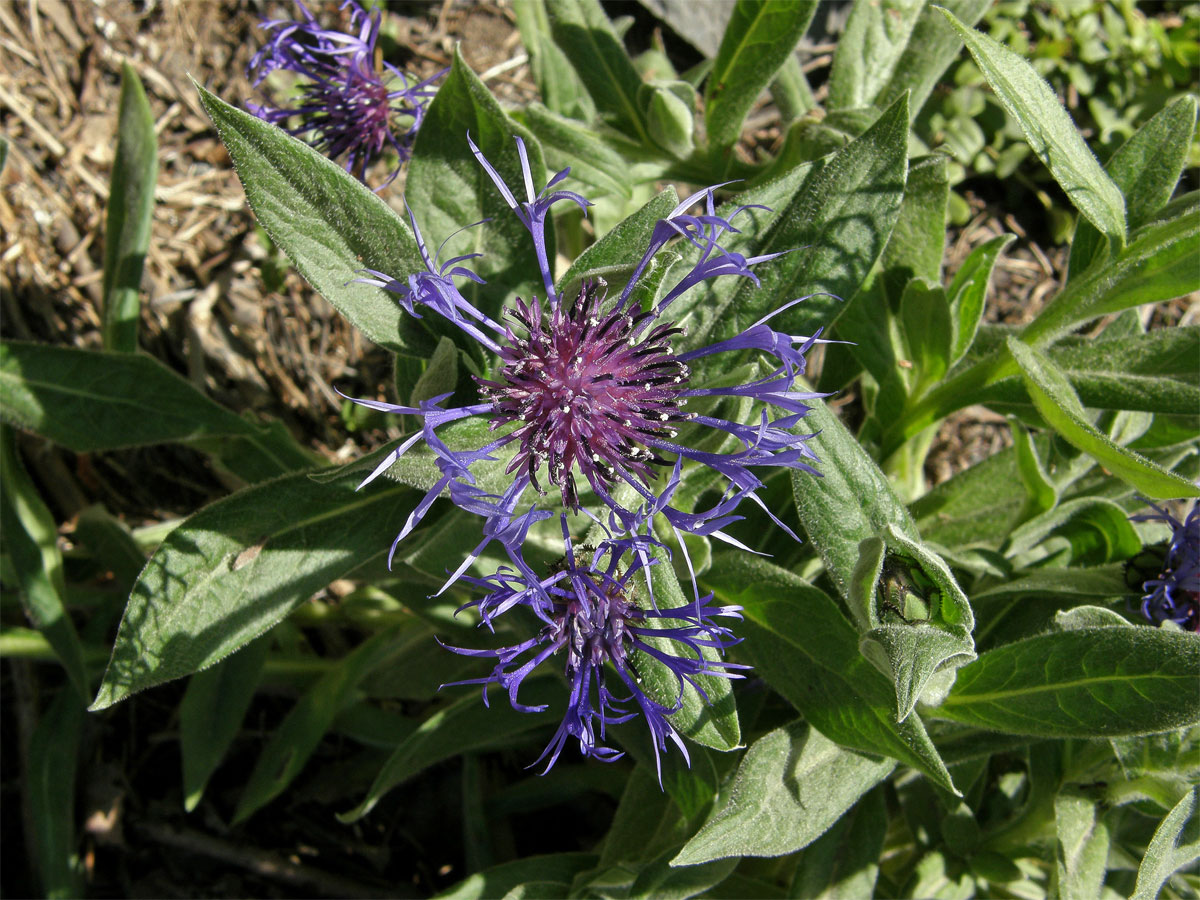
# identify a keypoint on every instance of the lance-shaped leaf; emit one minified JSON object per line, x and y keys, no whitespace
{"x":760,"y":36}
{"x":1155,"y":371}
{"x":806,"y":649}
{"x":1176,"y":843}
{"x":875,"y":39}
{"x":851,"y":502}
{"x":1087,"y":682}
{"x":615,"y":255}
{"x":211,"y":714}
{"x":448,"y":189}
{"x":1146,"y":168}
{"x":1059,"y":405}
{"x":968,"y":291}
{"x":1049,"y":130}
{"x":238,"y":566}
{"x":832,"y":231}
{"x":1082,"y":847}
{"x":130,"y":213}
{"x":932,"y":47}
{"x":298,"y":734}
{"x":90,"y":400}
{"x":464,"y":725}
{"x":917,"y":244}
{"x":31,"y":543}
{"x":330,"y":225}
{"x":1158,"y":264}
{"x":792,"y":785}
{"x":584,"y":34}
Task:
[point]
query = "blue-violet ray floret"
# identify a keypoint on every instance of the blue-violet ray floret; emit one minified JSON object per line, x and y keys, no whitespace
{"x":346,"y":106}
{"x":590,"y":389}
{"x":1171,"y":592}
{"x":592,"y":626}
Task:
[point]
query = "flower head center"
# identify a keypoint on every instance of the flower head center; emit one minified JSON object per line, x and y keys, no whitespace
{"x":596,"y":392}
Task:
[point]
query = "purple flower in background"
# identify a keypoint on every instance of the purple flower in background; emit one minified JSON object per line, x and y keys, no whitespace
{"x":345,"y":105}
{"x":588,"y":393}
{"x":604,"y":641}
{"x":1172,"y":593}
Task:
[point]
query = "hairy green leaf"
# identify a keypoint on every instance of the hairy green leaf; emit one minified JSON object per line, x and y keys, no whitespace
{"x":1176,"y":843}
{"x":836,"y":226}
{"x":1049,"y":130}
{"x":760,"y":36}
{"x":931,"y":48}
{"x":1059,"y":405}
{"x":875,"y":38}
{"x":331,"y":226}
{"x":806,"y":649}
{"x":1146,"y":168}
{"x":1088,"y":682}
{"x":447,"y":189}
{"x":584,"y":34}
{"x":235,"y":568}
{"x":792,"y":785}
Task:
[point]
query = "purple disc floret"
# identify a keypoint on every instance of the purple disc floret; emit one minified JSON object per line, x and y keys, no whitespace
{"x":594,"y":630}
{"x":589,"y":396}
{"x":1173,"y":593}
{"x":346,"y":106}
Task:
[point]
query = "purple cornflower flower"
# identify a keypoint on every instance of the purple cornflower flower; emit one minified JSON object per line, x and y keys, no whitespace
{"x":1172,"y":593}
{"x":590,"y":617}
{"x":345,"y":104}
{"x":592,"y":387}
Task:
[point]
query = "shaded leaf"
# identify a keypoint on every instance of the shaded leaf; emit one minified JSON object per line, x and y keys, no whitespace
{"x":31,"y":542}
{"x":211,"y":714}
{"x":89,"y":400}
{"x":499,"y":880}
{"x":464,"y":725}
{"x":844,"y":861}
{"x":297,"y":736}
{"x":50,"y":780}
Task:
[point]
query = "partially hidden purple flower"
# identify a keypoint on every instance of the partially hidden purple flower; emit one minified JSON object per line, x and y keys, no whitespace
{"x":1171,"y":592}
{"x":593,"y":630}
{"x":589,"y":392}
{"x":346,"y":106}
